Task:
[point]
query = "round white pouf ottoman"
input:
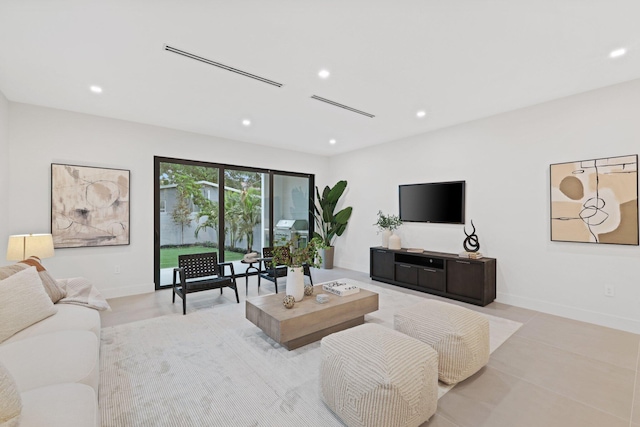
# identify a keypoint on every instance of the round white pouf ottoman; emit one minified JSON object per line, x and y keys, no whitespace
{"x":374,"y":376}
{"x":459,"y":335}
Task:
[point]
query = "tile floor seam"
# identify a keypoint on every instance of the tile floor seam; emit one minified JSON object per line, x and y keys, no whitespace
{"x":569,"y":351}
{"x":455,"y":424}
{"x":561,"y":394}
{"x":635,"y":384}
{"x":527,"y":322}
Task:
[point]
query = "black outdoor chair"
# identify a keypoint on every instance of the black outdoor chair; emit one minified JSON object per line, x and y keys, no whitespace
{"x":272,"y":272}
{"x":208,"y":271}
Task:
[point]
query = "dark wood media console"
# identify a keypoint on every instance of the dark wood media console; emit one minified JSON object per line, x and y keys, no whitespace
{"x":447,"y":275}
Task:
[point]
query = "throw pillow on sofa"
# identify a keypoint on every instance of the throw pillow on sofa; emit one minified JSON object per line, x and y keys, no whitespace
{"x":10,"y":401}
{"x":50,"y":284}
{"x":23,"y":302}
{"x":10,"y":270}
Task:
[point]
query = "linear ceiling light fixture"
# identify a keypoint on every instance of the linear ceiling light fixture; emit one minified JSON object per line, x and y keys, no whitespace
{"x":219,"y":65}
{"x":336,"y":104}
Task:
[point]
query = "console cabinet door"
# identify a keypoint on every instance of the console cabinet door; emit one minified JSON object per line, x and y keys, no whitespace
{"x":382,"y":264}
{"x":432,"y":278}
{"x":465,"y":278}
{"x":407,"y":274}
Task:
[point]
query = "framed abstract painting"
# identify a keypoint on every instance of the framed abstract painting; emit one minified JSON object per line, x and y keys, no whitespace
{"x":595,"y":201}
{"x":89,"y":206}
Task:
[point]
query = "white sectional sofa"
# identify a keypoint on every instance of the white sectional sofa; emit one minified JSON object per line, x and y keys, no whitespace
{"x":52,"y":367}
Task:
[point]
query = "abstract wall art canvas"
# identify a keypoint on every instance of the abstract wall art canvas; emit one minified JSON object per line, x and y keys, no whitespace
{"x":595,"y":201}
{"x":89,"y":206}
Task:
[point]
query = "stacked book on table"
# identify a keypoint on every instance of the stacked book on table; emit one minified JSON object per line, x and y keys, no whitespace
{"x":338,"y":288}
{"x":471,"y":255}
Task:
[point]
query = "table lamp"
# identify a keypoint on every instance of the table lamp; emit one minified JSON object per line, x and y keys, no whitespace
{"x":23,"y":246}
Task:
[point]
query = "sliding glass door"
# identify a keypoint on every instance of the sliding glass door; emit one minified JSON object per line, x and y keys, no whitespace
{"x":231,"y":210}
{"x":291,"y":209}
{"x":243,"y":212}
{"x":187,"y":213}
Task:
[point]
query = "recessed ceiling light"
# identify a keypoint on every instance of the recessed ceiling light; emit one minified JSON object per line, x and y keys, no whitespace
{"x":96,"y":89}
{"x":618,"y":53}
{"x":246,"y":122}
{"x":324,"y":74}
{"x":332,"y":141}
{"x":421,"y":113}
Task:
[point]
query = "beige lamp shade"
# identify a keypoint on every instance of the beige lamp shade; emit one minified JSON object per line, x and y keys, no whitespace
{"x":22,"y":246}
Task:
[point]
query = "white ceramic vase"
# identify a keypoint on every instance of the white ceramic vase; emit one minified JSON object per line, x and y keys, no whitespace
{"x":385,"y":237}
{"x":394,"y":242}
{"x":295,"y":283}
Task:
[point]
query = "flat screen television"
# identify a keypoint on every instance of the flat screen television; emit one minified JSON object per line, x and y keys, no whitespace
{"x":441,"y":202}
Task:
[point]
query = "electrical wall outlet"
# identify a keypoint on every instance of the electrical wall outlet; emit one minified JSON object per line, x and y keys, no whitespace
{"x":609,"y":290}
{"x":116,"y":269}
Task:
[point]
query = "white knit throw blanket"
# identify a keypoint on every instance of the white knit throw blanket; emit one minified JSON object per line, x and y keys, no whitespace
{"x":81,"y":292}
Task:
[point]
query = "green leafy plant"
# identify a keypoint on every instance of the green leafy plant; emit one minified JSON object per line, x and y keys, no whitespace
{"x":387,"y":222}
{"x":288,"y":253}
{"x":330,"y":224}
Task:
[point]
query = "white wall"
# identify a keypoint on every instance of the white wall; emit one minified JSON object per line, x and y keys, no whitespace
{"x":4,"y":171}
{"x":505,"y":161}
{"x":40,"y":136}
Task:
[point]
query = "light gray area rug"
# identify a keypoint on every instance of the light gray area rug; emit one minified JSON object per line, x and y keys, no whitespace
{"x":215,"y":368}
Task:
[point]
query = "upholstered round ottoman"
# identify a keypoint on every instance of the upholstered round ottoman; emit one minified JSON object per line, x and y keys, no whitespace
{"x":374,"y":376}
{"x":459,"y":335}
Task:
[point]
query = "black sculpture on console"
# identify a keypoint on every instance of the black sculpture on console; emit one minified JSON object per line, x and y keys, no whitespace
{"x":471,"y":243}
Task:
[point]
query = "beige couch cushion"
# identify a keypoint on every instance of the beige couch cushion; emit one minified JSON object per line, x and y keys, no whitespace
{"x":54,"y":358}
{"x":10,"y":401}
{"x":68,"y":318}
{"x":24,"y":302}
{"x":60,"y":405}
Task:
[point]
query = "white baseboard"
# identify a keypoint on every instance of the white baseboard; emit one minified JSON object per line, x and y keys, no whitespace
{"x":597,"y":318}
{"x":602,"y":319}
{"x":126,"y":291}
{"x":350,"y":266}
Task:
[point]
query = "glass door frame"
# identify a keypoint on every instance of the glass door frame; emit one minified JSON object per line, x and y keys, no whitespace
{"x":221,"y":182}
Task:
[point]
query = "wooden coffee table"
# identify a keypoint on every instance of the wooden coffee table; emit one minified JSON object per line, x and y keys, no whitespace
{"x":308,"y":320}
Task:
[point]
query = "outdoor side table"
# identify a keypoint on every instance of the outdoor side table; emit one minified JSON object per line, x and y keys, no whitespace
{"x":246,"y":274}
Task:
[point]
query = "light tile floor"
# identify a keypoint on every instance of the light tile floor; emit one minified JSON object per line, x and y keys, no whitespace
{"x":552,"y":372}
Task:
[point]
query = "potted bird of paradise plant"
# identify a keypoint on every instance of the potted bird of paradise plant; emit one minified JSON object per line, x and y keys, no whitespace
{"x":330,"y":224}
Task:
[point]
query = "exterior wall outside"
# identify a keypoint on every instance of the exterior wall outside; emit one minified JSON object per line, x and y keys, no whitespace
{"x":171,"y":233}
{"x":287,"y":205}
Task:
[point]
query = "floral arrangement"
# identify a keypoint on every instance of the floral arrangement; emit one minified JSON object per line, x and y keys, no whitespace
{"x":288,"y":253}
{"x":387,"y":222}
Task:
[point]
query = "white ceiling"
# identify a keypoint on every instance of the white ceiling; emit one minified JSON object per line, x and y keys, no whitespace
{"x":457,"y":60}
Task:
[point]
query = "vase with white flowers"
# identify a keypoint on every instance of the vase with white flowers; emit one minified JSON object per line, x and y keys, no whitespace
{"x":386,"y":225}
